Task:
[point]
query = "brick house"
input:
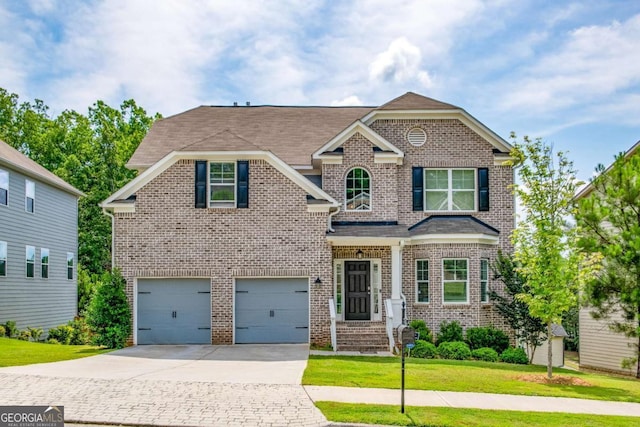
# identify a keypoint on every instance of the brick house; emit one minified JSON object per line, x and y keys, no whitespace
{"x":254,"y":224}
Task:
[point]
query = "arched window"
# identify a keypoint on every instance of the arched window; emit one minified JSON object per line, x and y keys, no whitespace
{"x":358,"y":194}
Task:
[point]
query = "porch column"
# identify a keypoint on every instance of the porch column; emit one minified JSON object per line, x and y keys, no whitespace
{"x":396,"y":284}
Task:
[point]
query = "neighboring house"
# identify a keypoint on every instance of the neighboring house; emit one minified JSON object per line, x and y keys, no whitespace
{"x":600,"y":347}
{"x":257,"y":224}
{"x":38,"y":243}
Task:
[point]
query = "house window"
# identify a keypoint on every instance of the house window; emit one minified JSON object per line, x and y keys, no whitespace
{"x":484,"y":280}
{"x":44,"y":263}
{"x":29,"y":195}
{"x":4,"y":187}
{"x":338,"y":290}
{"x":222,"y":185}
{"x":70,"y":265}
{"x":454,"y":280}
{"x":3,"y":259}
{"x":31,"y":261}
{"x":450,"y":189}
{"x":358,"y":190}
{"x":422,"y":280}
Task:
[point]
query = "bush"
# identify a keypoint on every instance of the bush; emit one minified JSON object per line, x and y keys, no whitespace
{"x":421,"y":327}
{"x":10,"y":329}
{"x":53,"y":341}
{"x":449,"y":332}
{"x":108,"y":315}
{"x":424,"y":350}
{"x":2,"y":331}
{"x":487,"y":337}
{"x":35,"y":333}
{"x":514,"y":355}
{"x":24,"y":335}
{"x":81,"y":333}
{"x":62,"y":334}
{"x":486,"y":354}
{"x":456,"y":350}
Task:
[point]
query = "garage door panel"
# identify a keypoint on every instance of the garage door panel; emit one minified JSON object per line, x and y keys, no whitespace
{"x":272,"y":311}
{"x":174,"y":311}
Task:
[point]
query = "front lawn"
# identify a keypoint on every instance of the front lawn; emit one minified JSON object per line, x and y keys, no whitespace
{"x":470,"y":376}
{"x":16,"y":353}
{"x":445,"y":417}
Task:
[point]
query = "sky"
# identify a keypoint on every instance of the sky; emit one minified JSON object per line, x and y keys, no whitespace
{"x":568,"y":72}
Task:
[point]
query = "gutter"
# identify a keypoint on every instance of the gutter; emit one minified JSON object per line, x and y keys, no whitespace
{"x":331,"y":214}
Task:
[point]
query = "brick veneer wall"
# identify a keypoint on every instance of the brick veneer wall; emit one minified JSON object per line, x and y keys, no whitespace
{"x":275,"y":236}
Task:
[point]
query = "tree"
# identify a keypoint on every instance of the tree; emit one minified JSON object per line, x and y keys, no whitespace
{"x":609,"y":218}
{"x":546,"y":249}
{"x":528,"y":329}
{"x":109,"y":316}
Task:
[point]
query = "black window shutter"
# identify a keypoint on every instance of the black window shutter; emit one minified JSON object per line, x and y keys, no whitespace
{"x":243,"y":184}
{"x":201,"y":184}
{"x":483,"y":189}
{"x":417,"y":178}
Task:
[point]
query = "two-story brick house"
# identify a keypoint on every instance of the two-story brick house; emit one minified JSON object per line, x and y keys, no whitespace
{"x":310,"y":224}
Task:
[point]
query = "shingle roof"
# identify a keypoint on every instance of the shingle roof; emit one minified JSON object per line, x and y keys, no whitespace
{"x":399,"y":231}
{"x":444,"y":224}
{"x":291,"y":133}
{"x":413,"y":101}
{"x":13,"y":158}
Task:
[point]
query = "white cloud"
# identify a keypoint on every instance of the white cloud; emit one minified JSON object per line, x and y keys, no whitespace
{"x":349,"y":101}
{"x":399,"y":63}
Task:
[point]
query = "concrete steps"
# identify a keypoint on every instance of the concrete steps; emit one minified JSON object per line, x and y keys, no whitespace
{"x":362,"y":336}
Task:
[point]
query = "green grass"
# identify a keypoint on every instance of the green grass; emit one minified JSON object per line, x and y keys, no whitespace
{"x":16,"y":353}
{"x":441,"y":417}
{"x":451,"y":375}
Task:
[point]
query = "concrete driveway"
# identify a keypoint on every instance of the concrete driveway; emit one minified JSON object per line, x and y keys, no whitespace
{"x":255,"y":385}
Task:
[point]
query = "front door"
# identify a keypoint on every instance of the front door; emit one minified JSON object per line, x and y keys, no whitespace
{"x":358,"y":290}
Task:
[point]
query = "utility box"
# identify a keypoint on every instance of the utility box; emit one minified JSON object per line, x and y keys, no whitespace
{"x":406,"y":335}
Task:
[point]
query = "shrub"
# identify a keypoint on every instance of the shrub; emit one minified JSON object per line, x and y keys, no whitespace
{"x":81,"y":333}
{"x":2,"y":331}
{"x":24,"y":335}
{"x":35,"y":333}
{"x":10,"y":329}
{"x":514,"y":355}
{"x":424,"y":350}
{"x":108,"y":315}
{"x":421,"y":327}
{"x":486,"y":354}
{"x":52,"y":341}
{"x":487,"y":337}
{"x":456,"y":350}
{"x":62,"y":334}
{"x":449,"y":332}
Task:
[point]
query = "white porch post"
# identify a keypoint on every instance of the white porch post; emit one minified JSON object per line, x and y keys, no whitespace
{"x":396,"y":284}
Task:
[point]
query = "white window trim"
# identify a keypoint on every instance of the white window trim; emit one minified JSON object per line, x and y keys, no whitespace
{"x":26,"y":262}
{"x":7,"y":189}
{"x":466,"y":302}
{"x":370,"y":190}
{"x":42,"y":263}
{"x":450,"y":190}
{"x":486,"y":281}
{"x":5,"y":258}
{"x":418,"y":282}
{"x":376,"y":284}
{"x":26,"y":195}
{"x":73,"y":265}
{"x":216,"y":205}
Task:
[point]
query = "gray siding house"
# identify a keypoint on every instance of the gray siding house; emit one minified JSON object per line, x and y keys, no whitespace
{"x":38,"y":243}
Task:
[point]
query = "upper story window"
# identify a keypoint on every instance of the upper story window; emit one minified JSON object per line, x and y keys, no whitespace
{"x":222,"y":185}
{"x":3,"y":259}
{"x":422,"y":280}
{"x":450,"y":189}
{"x":29,"y":195}
{"x":4,"y":187}
{"x":44,"y":263}
{"x":454,"y":280}
{"x":484,"y":280}
{"x":31,"y":261}
{"x":70,"y":265}
{"x":358,"y":190}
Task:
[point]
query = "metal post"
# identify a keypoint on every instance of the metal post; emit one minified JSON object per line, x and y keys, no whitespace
{"x":402,"y":384}
{"x":404,"y":309}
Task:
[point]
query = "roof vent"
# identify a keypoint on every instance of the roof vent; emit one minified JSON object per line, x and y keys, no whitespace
{"x":248,"y":104}
{"x":416,"y":137}
{"x":235,"y":103}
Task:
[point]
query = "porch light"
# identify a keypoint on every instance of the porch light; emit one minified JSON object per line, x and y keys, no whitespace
{"x":318,"y":281}
{"x":359,"y":254}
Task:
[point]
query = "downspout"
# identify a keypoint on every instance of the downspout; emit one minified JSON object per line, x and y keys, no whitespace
{"x":331,"y":214}
{"x":402,"y":296}
{"x":113,"y":237}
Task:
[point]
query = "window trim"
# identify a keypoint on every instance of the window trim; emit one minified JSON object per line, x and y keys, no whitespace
{"x":5,"y":189}
{"x":450,"y":189}
{"x":466,"y":302}
{"x":5,"y":258}
{"x":70,"y":267}
{"x":216,"y":205}
{"x":26,"y":196}
{"x":33,"y":263}
{"x":346,"y":188}
{"x":43,"y":264}
{"x":418,"y":282}
{"x":484,"y":261}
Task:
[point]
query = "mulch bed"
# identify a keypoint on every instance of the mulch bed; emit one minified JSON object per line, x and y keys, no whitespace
{"x":557,"y":380}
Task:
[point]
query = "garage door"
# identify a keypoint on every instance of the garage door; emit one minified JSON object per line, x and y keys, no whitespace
{"x":174,"y":311}
{"x":272,"y":311}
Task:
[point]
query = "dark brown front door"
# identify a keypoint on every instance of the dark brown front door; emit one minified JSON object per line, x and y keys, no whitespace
{"x":358,"y":290}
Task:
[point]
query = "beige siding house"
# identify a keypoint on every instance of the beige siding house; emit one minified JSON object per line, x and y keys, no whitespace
{"x":258,"y":224}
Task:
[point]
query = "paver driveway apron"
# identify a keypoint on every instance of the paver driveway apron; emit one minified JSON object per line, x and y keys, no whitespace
{"x":173,"y":385}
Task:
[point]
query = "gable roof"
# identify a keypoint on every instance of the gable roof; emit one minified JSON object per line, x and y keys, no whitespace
{"x":14,"y":159}
{"x":413,"y":101}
